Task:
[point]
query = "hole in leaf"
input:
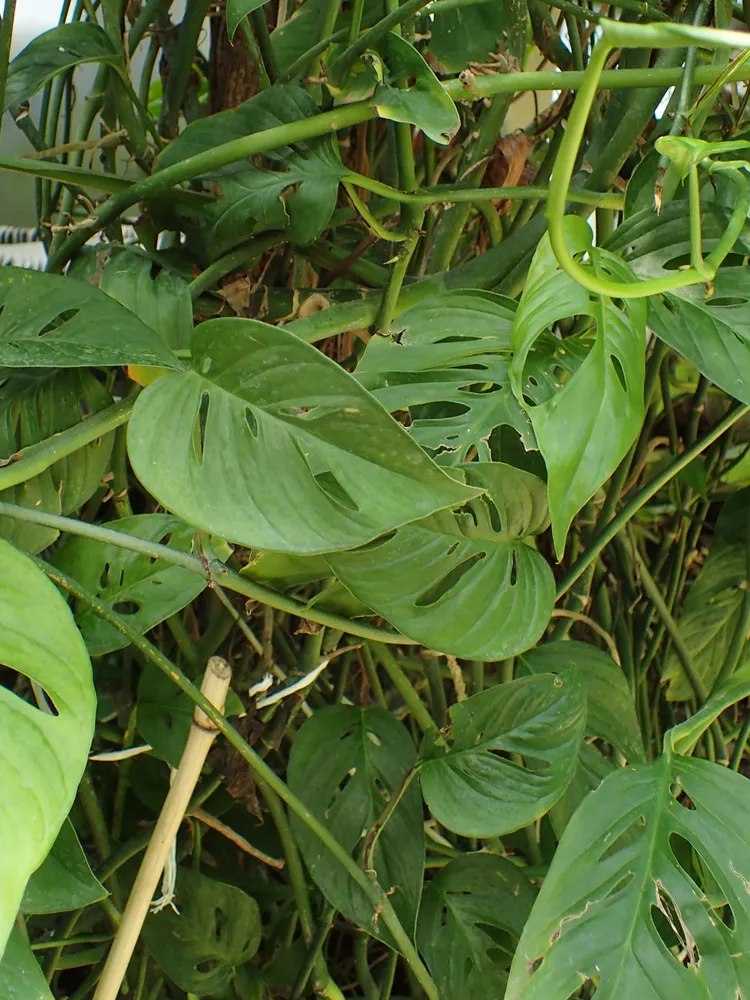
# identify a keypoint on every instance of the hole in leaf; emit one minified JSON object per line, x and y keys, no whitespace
{"x":514,"y":569}
{"x":452,"y":548}
{"x":433,"y":594}
{"x":533,"y":381}
{"x":672,"y":929}
{"x":338,"y":792}
{"x":443,"y":915}
{"x":201,"y":420}
{"x":220,"y":922}
{"x":619,"y":371}
{"x":166,"y":539}
{"x":333,"y":489}
{"x":376,"y":543}
{"x":495,"y":520}
{"x":156,"y":270}
{"x":104,"y":578}
{"x":252,"y":423}
{"x":126,"y":607}
{"x":468,"y":966}
{"x":728,"y":300}
{"x":32,"y":694}
{"x":207,"y":966}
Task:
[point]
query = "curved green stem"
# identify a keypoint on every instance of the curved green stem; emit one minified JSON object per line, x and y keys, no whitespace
{"x":262,"y":772}
{"x":212,"y":570}
{"x":617,"y":34}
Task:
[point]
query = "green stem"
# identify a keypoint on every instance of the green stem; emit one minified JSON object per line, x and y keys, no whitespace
{"x":182,"y":65}
{"x":244,"y":258}
{"x":261,"y":771}
{"x":31,"y":461}
{"x":644,"y":495}
{"x":339,"y":68}
{"x":396,"y":280}
{"x":6,"y":37}
{"x":211,"y":570}
{"x":260,"y":27}
{"x":402,"y":684}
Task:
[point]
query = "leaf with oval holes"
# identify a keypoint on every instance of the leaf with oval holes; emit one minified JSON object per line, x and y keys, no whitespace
{"x":344,"y":765}
{"x":624,"y":904}
{"x":218,"y":929}
{"x":21,"y":976}
{"x":716,"y":603}
{"x":54,"y":52}
{"x":42,"y":757}
{"x":142,"y":589}
{"x":472,"y":914}
{"x":64,"y":880}
{"x":49,"y":321}
{"x":463,"y":583}
{"x":237,"y":10}
{"x":610,"y":714}
{"x":424,"y":102}
{"x":586,"y":428}
{"x":268,"y":443}
{"x":509,"y":754}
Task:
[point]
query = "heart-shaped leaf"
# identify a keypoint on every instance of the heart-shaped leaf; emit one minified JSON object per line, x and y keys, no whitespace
{"x":54,"y":52}
{"x":345,"y":765}
{"x":424,"y":102}
{"x":624,"y":904}
{"x":585,"y":429}
{"x":469,"y":908}
{"x":463,"y":583}
{"x":42,"y":756}
{"x":508,"y":756}
{"x":143,"y":590}
{"x":49,"y":321}
{"x":217,"y":930}
{"x":64,"y":880}
{"x":268,"y":443}
{"x":610,"y":713}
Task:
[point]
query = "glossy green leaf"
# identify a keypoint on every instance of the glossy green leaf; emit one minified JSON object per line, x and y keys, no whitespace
{"x":21,"y":976}
{"x":424,"y":103}
{"x":586,"y":428}
{"x":344,"y":765}
{"x":64,"y":880}
{"x":465,"y":583}
{"x":49,"y":321}
{"x":38,"y":639}
{"x":716,"y":603}
{"x":624,"y":907}
{"x":237,"y":10}
{"x":143,"y":590}
{"x":472,"y":914}
{"x":268,"y":443}
{"x":472,"y":780}
{"x":485,"y":36}
{"x":54,"y":52}
{"x":218,"y":928}
{"x":610,"y":713}
{"x":592,"y":768}
{"x":36,"y":405}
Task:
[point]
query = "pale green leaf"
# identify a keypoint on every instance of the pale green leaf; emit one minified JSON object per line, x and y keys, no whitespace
{"x":21,"y":977}
{"x":42,"y":756}
{"x":268,"y":443}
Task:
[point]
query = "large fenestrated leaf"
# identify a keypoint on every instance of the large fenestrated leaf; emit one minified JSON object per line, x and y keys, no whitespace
{"x":144,"y":591}
{"x":716,"y":603}
{"x":610,"y":713}
{"x":469,"y":910}
{"x":42,"y":756}
{"x":268,"y":443}
{"x":586,"y":428}
{"x":449,"y":366}
{"x":470,"y":780}
{"x":423,"y":102}
{"x":466,"y":583}
{"x":21,"y":976}
{"x":54,"y":52}
{"x":49,"y":321}
{"x":624,"y":904}
{"x":250,"y":195}
{"x":36,"y":405}
{"x":345,"y":764}
{"x":217,"y":929}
